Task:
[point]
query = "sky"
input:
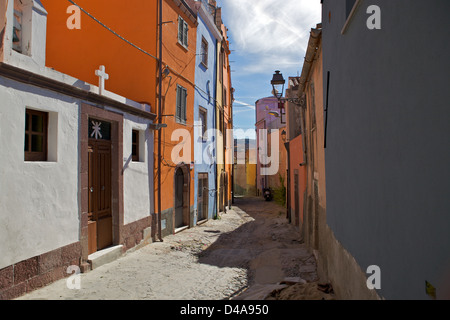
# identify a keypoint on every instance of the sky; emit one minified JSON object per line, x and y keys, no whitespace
{"x":265,"y":35}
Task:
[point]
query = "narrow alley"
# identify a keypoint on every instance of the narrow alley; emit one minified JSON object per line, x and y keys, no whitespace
{"x":250,"y":252}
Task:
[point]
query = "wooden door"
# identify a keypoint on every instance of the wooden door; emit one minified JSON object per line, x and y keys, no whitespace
{"x":296,"y":199}
{"x":100,"y":213}
{"x":200,"y":198}
{"x":203,"y":198}
{"x":179,"y":203}
{"x":221,"y":191}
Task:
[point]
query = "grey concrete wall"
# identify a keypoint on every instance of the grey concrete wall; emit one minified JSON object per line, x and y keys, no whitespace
{"x":388,"y":141}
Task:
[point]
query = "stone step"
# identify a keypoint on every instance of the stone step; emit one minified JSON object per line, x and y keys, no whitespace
{"x":105,"y":256}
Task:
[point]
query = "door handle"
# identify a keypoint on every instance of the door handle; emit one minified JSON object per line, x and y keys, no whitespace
{"x":103,"y":188}
{"x":91,"y":189}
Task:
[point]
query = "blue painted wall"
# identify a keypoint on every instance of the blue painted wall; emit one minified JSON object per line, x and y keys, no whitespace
{"x":205,"y":95}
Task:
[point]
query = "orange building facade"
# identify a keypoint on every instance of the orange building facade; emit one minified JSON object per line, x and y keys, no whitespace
{"x":77,"y":44}
{"x":177,"y":114}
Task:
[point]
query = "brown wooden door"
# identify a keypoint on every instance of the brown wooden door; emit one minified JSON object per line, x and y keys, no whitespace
{"x":203,"y":196}
{"x":179,"y":195}
{"x":100,"y":214}
{"x":296,"y":199}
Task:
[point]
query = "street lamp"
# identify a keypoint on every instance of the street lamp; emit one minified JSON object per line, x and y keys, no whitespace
{"x":278,"y":89}
{"x":278,"y":84}
{"x":283,"y":135}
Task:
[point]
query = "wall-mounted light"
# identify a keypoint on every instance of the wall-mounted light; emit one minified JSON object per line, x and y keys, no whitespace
{"x":157,"y":126}
{"x":278,"y":89}
{"x":278,"y":84}
{"x":275,"y":114}
{"x":166,"y":71}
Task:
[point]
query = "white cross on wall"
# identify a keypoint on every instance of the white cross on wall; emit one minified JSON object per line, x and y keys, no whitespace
{"x":102,"y":77}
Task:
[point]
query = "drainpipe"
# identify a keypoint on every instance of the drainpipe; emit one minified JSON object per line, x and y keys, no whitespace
{"x":160,"y":120}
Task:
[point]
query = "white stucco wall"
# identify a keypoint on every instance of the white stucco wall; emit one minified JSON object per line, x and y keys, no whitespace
{"x":138,"y":176}
{"x":39,"y":208}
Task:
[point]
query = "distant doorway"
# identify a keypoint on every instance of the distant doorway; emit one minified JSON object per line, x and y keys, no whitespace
{"x":179,"y":181}
{"x":203,"y":197}
{"x":296,"y":199}
{"x":181,"y":198}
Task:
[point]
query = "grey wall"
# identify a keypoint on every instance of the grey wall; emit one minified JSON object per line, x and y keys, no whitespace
{"x":388,"y":139}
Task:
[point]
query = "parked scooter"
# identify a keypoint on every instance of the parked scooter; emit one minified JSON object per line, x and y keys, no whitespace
{"x":267,"y":192}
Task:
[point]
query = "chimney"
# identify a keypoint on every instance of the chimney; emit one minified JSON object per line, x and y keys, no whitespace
{"x":219,"y":18}
{"x":26,"y":30}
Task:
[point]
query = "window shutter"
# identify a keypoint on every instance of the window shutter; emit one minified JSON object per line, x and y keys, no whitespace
{"x":178,"y":110}
{"x":180,"y":29}
{"x":185,"y":35}
{"x":183,"y":105}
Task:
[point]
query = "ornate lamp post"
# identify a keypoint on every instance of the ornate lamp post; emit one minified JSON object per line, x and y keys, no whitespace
{"x":278,"y":89}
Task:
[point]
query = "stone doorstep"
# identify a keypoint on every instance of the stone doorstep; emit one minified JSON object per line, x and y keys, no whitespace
{"x":181,"y":229}
{"x":105,"y":256}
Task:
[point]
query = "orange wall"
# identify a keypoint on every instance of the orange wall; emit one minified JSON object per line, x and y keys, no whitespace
{"x":296,"y":157}
{"x":181,"y":62}
{"x":80,"y":52}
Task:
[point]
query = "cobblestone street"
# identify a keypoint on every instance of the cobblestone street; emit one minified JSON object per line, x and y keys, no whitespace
{"x":245,"y":254}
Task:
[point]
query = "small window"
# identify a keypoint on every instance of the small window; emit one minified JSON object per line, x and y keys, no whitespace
{"x":36,"y":135}
{"x":224,"y":98}
{"x":135,"y":146}
{"x":203,"y":117}
{"x":17,"y":30}
{"x":221,"y":62}
{"x":181,"y":104}
{"x":183,"y":29}
{"x":313,"y":106}
{"x":221,"y":121}
{"x":204,"y":52}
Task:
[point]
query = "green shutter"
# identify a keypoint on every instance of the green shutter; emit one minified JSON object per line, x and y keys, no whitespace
{"x":185,"y":38}
{"x":178,"y":110}
{"x":180,"y":29}
{"x":183,"y":104}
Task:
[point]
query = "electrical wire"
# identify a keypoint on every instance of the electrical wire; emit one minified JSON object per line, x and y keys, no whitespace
{"x":222,"y":108}
{"x":112,"y":31}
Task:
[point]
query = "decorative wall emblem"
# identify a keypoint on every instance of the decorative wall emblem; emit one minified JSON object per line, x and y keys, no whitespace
{"x":99,"y":130}
{"x":96,"y":130}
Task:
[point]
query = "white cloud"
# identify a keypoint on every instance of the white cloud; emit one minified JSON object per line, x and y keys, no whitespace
{"x":244,"y":104}
{"x":271,"y":30}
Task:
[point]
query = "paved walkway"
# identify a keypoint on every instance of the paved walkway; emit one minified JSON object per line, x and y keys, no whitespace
{"x":244,"y":254}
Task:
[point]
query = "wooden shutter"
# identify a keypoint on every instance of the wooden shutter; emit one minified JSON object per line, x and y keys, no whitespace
{"x":183,"y":104}
{"x":178,"y":110}
{"x":180,"y":29}
{"x":185,"y":33}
